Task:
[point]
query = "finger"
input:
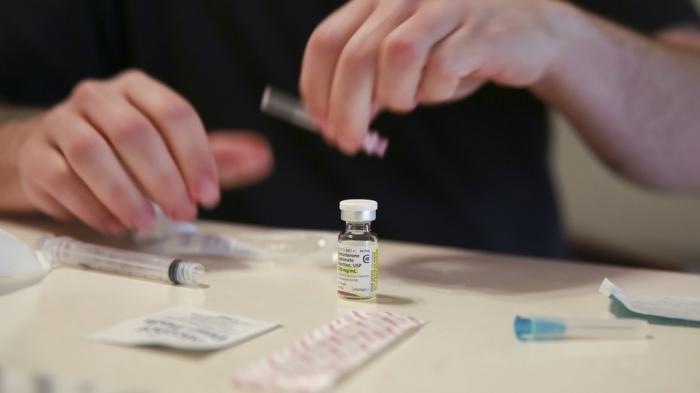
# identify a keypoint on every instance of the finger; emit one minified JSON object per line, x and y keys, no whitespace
{"x":92,"y":159}
{"x":451,"y":60}
{"x":32,"y":169}
{"x":321,"y":55}
{"x":182,"y":131}
{"x":351,"y":96}
{"x":243,"y":158}
{"x":69,"y":191}
{"x":376,"y":109}
{"x":405,"y":51}
{"x":467,"y":86}
{"x":142,"y":150}
{"x":48,"y":204}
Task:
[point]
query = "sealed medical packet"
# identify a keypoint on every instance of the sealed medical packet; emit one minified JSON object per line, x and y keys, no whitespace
{"x":185,"y":328}
{"x":676,"y":307}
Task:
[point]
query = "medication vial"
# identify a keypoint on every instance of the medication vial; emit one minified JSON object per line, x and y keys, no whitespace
{"x":358,"y":261}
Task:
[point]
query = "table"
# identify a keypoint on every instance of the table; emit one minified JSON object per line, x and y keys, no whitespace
{"x":469,"y":299}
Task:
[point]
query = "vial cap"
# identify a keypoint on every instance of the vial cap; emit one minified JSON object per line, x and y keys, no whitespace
{"x":358,"y":210}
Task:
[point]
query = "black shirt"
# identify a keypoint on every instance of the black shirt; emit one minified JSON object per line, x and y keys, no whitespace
{"x":470,"y":174}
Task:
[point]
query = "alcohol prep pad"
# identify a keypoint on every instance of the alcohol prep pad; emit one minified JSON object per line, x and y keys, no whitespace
{"x":185,"y":328}
{"x":673,"y":307}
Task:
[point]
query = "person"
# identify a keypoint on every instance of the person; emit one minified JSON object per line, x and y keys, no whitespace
{"x":457,"y":85}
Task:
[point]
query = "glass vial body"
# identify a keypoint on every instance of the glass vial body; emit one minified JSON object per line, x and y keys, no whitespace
{"x":358,"y":254}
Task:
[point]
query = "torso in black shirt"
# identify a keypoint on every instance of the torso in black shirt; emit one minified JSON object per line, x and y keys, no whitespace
{"x":470,"y":174}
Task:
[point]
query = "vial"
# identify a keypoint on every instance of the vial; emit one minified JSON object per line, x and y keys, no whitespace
{"x":358,"y":247}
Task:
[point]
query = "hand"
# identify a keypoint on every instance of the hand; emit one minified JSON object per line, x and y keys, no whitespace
{"x":112,"y":145}
{"x":242,"y":158}
{"x":395,"y":54}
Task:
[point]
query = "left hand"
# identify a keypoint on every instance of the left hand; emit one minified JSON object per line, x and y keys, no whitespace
{"x":243,"y":158}
{"x":395,"y":54}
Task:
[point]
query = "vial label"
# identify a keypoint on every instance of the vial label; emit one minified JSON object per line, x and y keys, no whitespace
{"x":358,"y":266}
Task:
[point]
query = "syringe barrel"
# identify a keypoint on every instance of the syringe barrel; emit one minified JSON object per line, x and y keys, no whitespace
{"x":286,"y":107}
{"x":290,"y":109}
{"x":607,"y":328}
{"x":65,"y":251}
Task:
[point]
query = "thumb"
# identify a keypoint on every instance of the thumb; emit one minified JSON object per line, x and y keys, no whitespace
{"x":242,"y":158}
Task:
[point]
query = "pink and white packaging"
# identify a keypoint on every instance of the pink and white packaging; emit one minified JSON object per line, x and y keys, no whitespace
{"x":318,"y":360}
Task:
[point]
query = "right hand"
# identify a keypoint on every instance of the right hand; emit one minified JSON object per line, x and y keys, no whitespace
{"x":372,"y":55}
{"x":101,"y":154}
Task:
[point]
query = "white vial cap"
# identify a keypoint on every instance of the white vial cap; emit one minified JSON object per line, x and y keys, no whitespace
{"x":358,"y":210}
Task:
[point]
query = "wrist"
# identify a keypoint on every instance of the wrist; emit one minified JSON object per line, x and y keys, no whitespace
{"x":17,"y":133}
{"x":571,"y":28}
{"x":14,"y":135}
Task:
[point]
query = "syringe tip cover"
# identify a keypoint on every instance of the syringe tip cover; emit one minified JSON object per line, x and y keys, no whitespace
{"x":374,"y":144}
{"x":185,"y":273}
{"x":382,"y":145}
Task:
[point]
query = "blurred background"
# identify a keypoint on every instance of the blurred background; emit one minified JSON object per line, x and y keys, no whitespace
{"x":607,"y":218}
{"x":612,"y":220}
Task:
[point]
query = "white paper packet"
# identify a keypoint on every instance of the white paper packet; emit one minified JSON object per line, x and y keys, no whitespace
{"x":318,"y":360}
{"x":185,"y":328}
{"x":676,"y":307}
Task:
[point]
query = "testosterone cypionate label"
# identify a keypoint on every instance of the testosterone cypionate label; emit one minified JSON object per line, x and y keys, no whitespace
{"x":358,"y":266}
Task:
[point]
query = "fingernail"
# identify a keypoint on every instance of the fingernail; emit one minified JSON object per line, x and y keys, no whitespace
{"x":320,"y":123}
{"x":186,"y":211}
{"x":208,"y":193}
{"x":144,"y":219}
{"x":115,"y":229}
{"x":348,"y":148}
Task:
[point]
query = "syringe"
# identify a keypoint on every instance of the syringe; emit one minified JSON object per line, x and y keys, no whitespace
{"x":290,"y":109}
{"x":538,"y":328}
{"x":65,"y":251}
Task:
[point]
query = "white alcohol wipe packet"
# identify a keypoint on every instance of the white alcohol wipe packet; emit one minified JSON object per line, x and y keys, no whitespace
{"x":318,"y":360}
{"x":676,"y":307}
{"x":185,"y":328}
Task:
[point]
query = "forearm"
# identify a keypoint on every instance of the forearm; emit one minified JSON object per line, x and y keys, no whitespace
{"x":634,"y":100}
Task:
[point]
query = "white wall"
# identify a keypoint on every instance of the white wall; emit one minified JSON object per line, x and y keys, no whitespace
{"x":601,"y":207}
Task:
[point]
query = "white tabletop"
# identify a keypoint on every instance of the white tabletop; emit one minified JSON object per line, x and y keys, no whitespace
{"x":468,"y":298}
